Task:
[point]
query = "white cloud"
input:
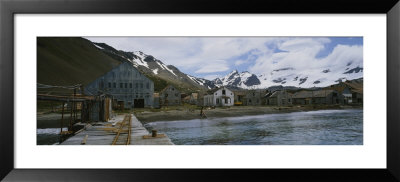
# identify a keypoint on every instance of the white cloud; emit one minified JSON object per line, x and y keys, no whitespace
{"x":215,"y":66}
{"x":211,"y":77}
{"x":240,"y":62}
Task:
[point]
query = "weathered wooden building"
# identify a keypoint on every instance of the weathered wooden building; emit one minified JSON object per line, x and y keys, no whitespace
{"x":316,"y":97}
{"x":279,"y":98}
{"x":192,"y":98}
{"x":170,"y":96}
{"x":352,"y":91}
{"x":240,"y":97}
{"x":127,"y":85}
{"x":255,"y":97}
{"x":219,"y":97}
{"x":156,"y":102}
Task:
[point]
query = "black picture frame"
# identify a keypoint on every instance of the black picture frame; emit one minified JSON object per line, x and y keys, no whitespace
{"x":8,"y":8}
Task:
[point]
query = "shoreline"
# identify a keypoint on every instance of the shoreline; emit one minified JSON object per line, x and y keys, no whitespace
{"x":146,"y":116}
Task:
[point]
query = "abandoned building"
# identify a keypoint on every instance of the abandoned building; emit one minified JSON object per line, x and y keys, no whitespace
{"x":316,"y":97}
{"x":356,"y":91}
{"x":219,"y":97}
{"x":240,"y":97}
{"x":352,"y":91}
{"x":156,"y":102}
{"x":191,"y":99}
{"x":128,"y":87}
{"x":279,"y":98}
{"x":255,"y":97}
{"x":170,"y":96}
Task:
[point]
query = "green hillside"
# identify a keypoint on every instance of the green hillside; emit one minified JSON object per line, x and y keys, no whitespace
{"x":70,"y":61}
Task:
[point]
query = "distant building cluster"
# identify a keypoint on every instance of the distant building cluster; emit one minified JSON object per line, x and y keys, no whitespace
{"x":129,"y":88}
{"x":349,"y":92}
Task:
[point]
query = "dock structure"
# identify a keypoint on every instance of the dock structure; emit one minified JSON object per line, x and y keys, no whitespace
{"x":120,"y":130}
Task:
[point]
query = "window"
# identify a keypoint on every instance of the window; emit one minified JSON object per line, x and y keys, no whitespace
{"x":126,"y":85}
{"x":115,"y":85}
{"x":215,"y":93}
{"x":249,"y":100}
{"x":176,"y":94}
{"x":113,"y":75}
{"x":254,"y":94}
{"x":217,"y":101}
{"x":109,"y":84}
{"x":148,"y":85}
{"x":141,"y":85}
{"x":166,"y":95}
{"x":136,"y":85}
{"x":231,"y":93}
{"x":121,"y":85}
{"x":289,"y":100}
{"x":172,"y":89}
{"x":223,"y":92}
{"x":130,"y":85}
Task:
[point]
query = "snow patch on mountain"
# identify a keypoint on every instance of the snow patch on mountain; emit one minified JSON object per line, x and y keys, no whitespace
{"x":155,"y":71}
{"x":139,"y":61}
{"x":98,"y":46}
{"x":196,"y":80}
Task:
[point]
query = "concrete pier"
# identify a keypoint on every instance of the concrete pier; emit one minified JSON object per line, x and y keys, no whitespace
{"x":104,"y":133}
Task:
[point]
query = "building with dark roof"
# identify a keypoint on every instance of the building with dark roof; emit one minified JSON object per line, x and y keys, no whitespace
{"x":279,"y":98}
{"x":170,"y":96}
{"x":255,"y":97}
{"x":316,"y":97}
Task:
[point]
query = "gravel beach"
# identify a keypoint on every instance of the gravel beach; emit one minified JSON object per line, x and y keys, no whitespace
{"x":186,"y":114}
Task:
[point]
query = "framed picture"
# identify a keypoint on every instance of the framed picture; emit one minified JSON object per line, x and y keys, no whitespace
{"x":289,"y":87}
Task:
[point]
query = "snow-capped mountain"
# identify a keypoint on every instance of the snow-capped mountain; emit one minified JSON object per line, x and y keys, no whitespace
{"x":287,"y":76}
{"x":235,"y":79}
{"x":291,"y":77}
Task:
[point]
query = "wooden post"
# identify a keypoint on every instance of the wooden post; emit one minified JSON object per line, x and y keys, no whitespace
{"x":75,"y":107}
{"x":70,"y":117}
{"x":154,"y":133}
{"x":62,"y":122}
{"x":62,"y":117}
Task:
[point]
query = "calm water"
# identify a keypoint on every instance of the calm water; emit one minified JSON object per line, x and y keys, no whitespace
{"x":326,"y":127}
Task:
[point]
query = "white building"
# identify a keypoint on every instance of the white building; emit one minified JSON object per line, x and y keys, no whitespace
{"x":219,"y":97}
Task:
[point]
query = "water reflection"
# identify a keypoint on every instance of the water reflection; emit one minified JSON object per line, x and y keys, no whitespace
{"x":327,"y":127}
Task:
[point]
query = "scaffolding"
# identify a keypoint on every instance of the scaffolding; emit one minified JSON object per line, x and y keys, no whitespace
{"x":72,"y":99}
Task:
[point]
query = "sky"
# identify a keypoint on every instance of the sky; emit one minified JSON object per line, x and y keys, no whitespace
{"x":212,"y":57}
